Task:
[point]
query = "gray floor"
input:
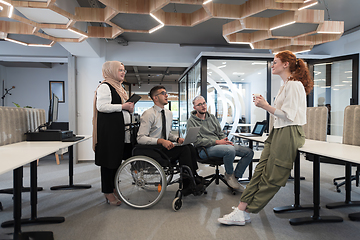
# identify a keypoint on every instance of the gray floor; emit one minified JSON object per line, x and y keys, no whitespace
{"x":88,"y":217}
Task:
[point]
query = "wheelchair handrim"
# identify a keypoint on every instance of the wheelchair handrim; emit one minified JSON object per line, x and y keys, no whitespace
{"x":140,"y":188}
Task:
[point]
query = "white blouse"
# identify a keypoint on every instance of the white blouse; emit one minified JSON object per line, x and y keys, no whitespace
{"x":290,"y":104}
{"x":103,"y":104}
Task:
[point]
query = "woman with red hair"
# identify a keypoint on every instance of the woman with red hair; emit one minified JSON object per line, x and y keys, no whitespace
{"x":281,"y":146}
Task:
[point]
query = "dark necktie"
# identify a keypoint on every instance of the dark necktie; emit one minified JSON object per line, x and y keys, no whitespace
{"x":163,"y":130}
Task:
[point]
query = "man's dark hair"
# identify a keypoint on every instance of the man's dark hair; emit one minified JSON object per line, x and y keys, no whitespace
{"x":154,"y":90}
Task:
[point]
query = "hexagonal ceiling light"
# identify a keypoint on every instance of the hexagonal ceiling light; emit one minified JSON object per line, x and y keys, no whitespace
{"x":263,"y":24}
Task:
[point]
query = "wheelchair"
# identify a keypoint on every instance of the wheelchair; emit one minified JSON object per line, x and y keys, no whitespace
{"x":141,"y":180}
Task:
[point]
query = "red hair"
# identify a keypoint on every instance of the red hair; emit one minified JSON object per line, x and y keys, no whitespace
{"x":298,"y":69}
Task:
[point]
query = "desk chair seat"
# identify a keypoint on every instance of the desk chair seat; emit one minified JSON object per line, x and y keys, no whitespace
{"x":217,"y":176}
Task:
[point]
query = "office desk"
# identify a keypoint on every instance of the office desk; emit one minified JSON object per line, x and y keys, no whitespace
{"x":13,"y":157}
{"x":251,"y":140}
{"x":70,"y":147}
{"x":315,"y":148}
{"x":347,"y":153}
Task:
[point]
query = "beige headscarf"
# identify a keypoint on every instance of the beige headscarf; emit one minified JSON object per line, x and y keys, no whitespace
{"x":110,"y":71}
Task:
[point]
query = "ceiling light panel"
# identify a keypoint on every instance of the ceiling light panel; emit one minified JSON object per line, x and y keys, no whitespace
{"x":295,"y":29}
{"x":134,"y":21}
{"x":61,"y":33}
{"x":268,"y":13}
{"x":40,"y":15}
{"x":29,"y":38}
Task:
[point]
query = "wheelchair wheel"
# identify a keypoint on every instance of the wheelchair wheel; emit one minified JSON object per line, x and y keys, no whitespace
{"x":176,"y":204}
{"x":140,"y":182}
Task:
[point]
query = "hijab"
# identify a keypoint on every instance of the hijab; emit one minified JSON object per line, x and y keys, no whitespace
{"x":110,"y":72}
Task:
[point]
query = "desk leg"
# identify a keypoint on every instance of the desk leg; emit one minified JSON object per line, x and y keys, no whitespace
{"x":316,"y":199}
{"x":348,"y":202}
{"x":18,"y":235}
{"x":71,"y":174}
{"x":23,"y":189}
{"x":354,"y":216}
{"x":296,"y":206}
{"x":250,"y":166}
{"x":33,"y":199}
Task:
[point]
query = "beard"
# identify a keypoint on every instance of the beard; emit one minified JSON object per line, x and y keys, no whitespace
{"x":201,"y":112}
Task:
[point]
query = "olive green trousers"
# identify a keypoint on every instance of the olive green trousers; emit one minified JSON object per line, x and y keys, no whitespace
{"x":274,"y":167}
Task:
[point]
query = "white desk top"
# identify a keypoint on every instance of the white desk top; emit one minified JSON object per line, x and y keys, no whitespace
{"x":13,"y":157}
{"x":349,"y":153}
{"x":18,"y":154}
{"x":256,"y":139}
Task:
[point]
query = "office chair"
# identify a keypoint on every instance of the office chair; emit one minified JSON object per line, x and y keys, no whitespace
{"x":217,"y":176}
{"x":351,"y":137}
{"x":316,"y":125}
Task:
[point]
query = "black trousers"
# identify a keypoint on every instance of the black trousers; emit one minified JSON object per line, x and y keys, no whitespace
{"x":107,"y":180}
{"x":186,"y":155}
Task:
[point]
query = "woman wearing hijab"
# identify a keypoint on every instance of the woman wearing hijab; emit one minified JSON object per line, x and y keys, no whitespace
{"x":111,"y":113}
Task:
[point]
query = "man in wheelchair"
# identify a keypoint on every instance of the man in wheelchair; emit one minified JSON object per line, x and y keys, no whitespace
{"x":155,"y":130}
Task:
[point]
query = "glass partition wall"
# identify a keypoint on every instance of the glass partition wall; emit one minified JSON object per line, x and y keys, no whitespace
{"x":230,"y":85}
{"x":336,"y":86}
{"x":227,"y":85}
{"x":183,"y":110}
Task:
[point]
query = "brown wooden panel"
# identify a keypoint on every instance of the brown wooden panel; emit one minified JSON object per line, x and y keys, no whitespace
{"x":29,"y":4}
{"x":99,"y":32}
{"x":16,"y":27}
{"x":199,"y":16}
{"x":90,"y":14}
{"x":128,"y":6}
{"x":177,"y":19}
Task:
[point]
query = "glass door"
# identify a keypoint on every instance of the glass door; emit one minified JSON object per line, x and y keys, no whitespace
{"x":230,"y":85}
{"x":335,"y":87}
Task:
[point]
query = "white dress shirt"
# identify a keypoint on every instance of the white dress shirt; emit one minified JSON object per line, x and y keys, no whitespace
{"x":290,"y":104}
{"x":103,"y":104}
{"x":151,"y":126}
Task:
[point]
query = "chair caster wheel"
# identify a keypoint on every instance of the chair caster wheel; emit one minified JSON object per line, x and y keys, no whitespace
{"x":338,"y":190}
{"x":176,"y":204}
{"x":205,"y":192}
{"x":233,"y":192}
{"x":335,"y":183}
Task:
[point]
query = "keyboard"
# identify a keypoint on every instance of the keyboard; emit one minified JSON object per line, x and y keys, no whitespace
{"x":73,"y":139}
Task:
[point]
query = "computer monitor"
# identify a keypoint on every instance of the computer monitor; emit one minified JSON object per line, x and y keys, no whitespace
{"x":53,"y":109}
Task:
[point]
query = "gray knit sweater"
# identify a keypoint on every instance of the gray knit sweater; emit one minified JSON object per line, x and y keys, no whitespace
{"x":210,"y":130}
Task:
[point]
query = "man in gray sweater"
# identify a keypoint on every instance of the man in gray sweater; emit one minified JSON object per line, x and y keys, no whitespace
{"x":217,"y":144}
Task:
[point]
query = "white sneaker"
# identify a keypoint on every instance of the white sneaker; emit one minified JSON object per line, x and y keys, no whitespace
{"x":247,"y":216}
{"x":236,"y":217}
{"x":232,"y":181}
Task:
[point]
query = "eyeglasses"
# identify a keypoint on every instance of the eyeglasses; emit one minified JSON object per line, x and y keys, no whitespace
{"x":162,"y":93}
{"x":200,"y":104}
{"x":123,"y":70}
